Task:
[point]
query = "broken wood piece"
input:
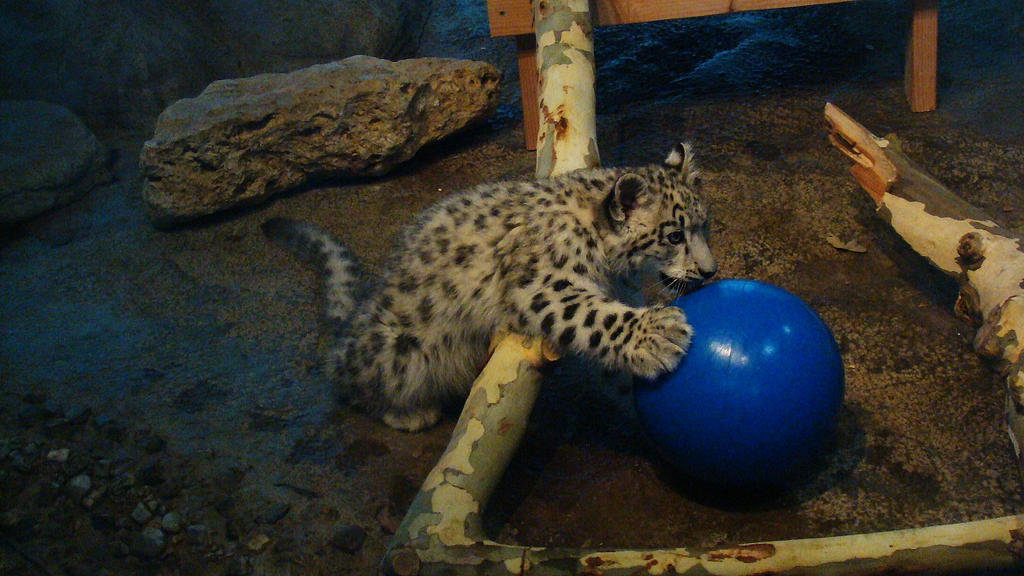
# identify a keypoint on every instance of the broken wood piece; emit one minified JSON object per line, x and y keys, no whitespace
{"x":958,"y":238}
{"x":872,"y":169}
{"x":845,"y":245}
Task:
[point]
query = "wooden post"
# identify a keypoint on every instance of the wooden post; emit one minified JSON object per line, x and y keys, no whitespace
{"x":441,"y":532}
{"x":566,"y":138}
{"x":526,"y":57}
{"x":919,"y":76}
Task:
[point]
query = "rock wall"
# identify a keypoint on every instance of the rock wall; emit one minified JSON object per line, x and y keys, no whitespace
{"x":118,"y":63}
{"x":47,"y":159}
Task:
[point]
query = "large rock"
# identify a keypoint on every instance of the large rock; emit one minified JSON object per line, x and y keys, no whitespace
{"x":118,"y":63}
{"x":47,"y":158}
{"x":243,"y":140}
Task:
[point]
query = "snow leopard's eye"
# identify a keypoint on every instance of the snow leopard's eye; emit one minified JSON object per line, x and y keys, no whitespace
{"x":675,"y":237}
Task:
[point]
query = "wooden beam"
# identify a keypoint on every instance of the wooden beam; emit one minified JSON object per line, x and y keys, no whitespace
{"x":526,"y":57}
{"x":514,"y":17}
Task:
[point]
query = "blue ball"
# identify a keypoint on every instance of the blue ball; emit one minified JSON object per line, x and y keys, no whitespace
{"x":754,"y":402}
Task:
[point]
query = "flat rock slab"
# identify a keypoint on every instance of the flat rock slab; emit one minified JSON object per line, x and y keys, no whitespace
{"x":47,"y":158}
{"x":244,"y":140}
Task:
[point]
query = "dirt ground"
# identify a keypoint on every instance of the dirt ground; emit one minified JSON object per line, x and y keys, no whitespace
{"x":162,"y":409}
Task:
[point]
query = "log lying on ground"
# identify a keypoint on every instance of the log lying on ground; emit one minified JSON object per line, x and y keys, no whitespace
{"x":442,"y":527}
{"x":992,"y":545}
{"x":957,"y":238}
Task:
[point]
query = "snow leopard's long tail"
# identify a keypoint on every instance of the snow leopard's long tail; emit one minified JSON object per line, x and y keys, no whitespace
{"x":337,"y":267}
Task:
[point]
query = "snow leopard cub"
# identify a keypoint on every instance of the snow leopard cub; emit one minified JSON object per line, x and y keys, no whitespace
{"x":536,"y":257}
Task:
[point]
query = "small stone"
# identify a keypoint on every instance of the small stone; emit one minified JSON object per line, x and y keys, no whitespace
{"x":93,"y":497}
{"x":171,"y":523}
{"x":348,"y":538}
{"x":141,"y":514}
{"x":79,"y":486}
{"x":149,"y":543}
{"x":121,"y":549}
{"x":22,"y":461}
{"x":59,"y":455}
{"x":257,"y":543}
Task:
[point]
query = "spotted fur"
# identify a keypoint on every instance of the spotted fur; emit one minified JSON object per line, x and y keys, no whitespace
{"x":539,"y":258}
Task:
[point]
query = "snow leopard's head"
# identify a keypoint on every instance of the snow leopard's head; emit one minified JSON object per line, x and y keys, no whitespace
{"x":662,"y":221}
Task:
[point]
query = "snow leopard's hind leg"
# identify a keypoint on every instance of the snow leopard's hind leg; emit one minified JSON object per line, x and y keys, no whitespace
{"x":372,"y":360}
{"x":337,"y":267}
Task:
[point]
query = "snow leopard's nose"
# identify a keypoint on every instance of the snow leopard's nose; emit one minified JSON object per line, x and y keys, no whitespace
{"x":708,"y":273}
{"x":700,"y":253}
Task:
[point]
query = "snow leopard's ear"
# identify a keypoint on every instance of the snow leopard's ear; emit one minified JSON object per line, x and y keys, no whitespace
{"x":630,"y":192}
{"x":681,"y":158}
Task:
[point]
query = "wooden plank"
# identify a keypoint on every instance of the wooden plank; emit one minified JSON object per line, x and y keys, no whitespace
{"x":751,"y":5}
{"x":515,"y":17}
{"x":526,"y":56}
{"x":920,"y":64}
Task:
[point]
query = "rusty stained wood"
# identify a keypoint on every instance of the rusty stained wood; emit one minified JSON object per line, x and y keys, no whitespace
{"x":993,"y":544}
{"x":567,"y":131}
{"x":526,"y":61}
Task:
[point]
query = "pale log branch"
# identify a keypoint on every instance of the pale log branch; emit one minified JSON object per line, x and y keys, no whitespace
{"x":441,"y":532}
{"x":957,"y":238}
{"x":567,"y":135}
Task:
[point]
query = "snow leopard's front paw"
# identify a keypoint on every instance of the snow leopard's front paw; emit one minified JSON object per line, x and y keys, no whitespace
{"x":662,"y":338}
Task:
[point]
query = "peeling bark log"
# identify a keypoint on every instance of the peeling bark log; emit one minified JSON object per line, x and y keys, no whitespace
{"x":441,"y":532}
{"x":957,"y":238}
{"x":566,"y":139}
{"x":442,"y":527}
{"x":993,"y":544}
